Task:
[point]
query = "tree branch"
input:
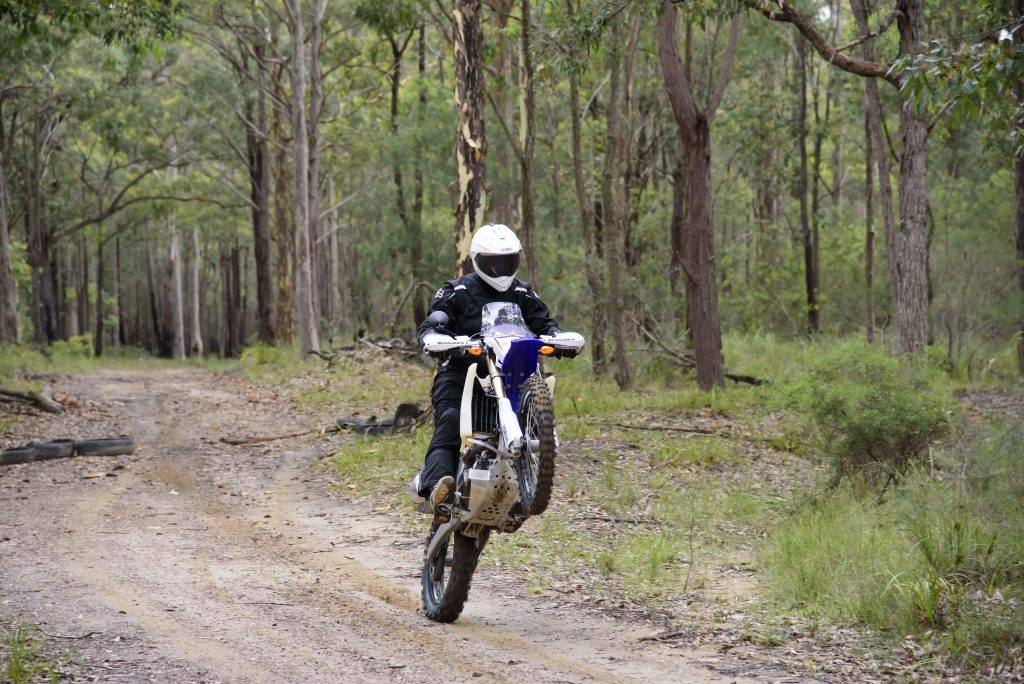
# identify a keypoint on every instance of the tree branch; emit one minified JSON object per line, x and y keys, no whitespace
{"x":785,"y":13}
{"x":726,"y":71}
{"x":680,"y":93}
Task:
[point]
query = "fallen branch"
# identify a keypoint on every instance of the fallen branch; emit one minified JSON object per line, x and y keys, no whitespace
{"x":663,"y":637}
{"x":686,"y":358}
{"x":43,"y":400}
{"x":259,"y":439}
{"x":61,"y":636}
{"x":668,"y":428}
{"x":749,"y":379}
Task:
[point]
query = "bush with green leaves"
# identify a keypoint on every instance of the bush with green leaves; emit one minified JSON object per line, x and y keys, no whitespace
{"x":874,"y":416}
{"x":942,"y":557}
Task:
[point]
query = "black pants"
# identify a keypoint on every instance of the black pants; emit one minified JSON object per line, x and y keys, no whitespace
{"x":443,"y":452}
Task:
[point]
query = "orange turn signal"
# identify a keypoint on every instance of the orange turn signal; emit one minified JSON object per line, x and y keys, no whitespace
{"x":475,"y":351}
{"x":547,"y":350}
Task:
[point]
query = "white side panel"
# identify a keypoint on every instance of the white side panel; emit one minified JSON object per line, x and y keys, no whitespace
{"x":466,"y":411}
{"x":510,"y":431}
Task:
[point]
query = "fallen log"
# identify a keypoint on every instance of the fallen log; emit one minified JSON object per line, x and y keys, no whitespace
{"x":43,"y":400}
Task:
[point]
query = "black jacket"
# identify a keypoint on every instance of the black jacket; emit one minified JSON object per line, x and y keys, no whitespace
{"x":463,"y":300}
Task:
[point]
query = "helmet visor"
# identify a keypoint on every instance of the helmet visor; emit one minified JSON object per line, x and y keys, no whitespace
{"x":498,"y":265}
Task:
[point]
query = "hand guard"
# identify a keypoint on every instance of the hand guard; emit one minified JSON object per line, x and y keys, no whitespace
{"x":437,"y":344}
{"x":567,"y":345}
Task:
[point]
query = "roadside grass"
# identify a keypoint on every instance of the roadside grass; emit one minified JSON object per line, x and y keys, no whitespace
{"x":23,"y":658}
{"x":20,"y":365}
{"x":738,"y":518}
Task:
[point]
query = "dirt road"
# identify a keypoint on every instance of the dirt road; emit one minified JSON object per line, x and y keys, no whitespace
{"x":197,"y":561}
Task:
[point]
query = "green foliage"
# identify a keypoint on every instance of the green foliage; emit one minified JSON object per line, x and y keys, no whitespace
{"x":875,"y":415}
{"x":116,"y":21}
{"x":973,"y":79}
{"x":77,"y":346}
{"x":944,"y":553}
{"x":262,"y":355}
{"x":24,"y":657}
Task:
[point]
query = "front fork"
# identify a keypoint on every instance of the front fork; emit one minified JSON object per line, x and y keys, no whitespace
{"x":508,"y":421}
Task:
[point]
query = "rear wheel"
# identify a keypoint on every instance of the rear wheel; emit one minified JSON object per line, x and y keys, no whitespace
{"x":536,"y":462}
{"x":446,"y":580}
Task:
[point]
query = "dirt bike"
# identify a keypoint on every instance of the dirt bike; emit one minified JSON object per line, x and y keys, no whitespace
{"x":506,"y":466}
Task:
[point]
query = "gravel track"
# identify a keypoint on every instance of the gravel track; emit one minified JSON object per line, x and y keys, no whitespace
{"x":196,"y":561}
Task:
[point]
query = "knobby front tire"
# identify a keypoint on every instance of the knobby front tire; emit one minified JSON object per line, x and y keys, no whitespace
{"x":446,"y":581}
{"x":536,"y":462}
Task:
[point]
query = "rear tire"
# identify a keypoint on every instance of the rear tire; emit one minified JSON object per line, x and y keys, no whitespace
{"x":446,"y":581}
{"x":535,"y":464}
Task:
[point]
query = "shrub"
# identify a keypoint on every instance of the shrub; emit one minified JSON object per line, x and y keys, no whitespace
{"x":874,"y":415}
{"x":262,"y":355}
{"x":78,"y":346}
{"x":943,"y":557}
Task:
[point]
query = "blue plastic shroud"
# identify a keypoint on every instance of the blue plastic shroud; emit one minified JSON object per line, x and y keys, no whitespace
{"x":520,"y":363}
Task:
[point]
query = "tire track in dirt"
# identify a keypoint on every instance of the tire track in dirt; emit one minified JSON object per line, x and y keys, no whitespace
{"x":261,"y":585}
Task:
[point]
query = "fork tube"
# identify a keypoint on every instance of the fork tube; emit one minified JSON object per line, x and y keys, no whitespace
{"x":496,"y":379}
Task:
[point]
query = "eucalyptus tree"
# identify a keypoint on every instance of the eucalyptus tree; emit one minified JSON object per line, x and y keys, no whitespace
{"x":309,"y":336}
{"x":471,"y":136}
{"x":907,"y":247}
{"x":694,"y":125}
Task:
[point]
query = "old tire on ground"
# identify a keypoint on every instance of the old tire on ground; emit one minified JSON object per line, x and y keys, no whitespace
{"x":57,"y":448}
{"x":536,"y":462}
{"x":25,"y":454}
{"x":446,"y":580}
{"x":116,"y":446}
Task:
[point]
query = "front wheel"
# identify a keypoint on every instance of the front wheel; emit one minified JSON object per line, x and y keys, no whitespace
{"x":536,"y":461}
{"x":446,"y":580}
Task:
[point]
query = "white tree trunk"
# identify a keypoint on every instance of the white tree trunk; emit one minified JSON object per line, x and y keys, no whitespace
{"x":309,"y":339}
{"x":334,"y":285}
{"x":177,"y":306}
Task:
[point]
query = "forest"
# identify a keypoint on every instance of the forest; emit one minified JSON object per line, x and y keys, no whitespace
{"x":791,"y":232}
{"x":677,"y":171}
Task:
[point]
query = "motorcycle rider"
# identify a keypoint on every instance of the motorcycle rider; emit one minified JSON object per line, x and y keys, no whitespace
{"x":495,"y":252}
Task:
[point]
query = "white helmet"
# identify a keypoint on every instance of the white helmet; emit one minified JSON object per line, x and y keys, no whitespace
{"x":495,"y":254}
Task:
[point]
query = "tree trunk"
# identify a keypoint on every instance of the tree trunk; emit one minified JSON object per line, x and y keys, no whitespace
{"x":911,"y":257}
{"x":156,"y":305}
{"x":471,"y":142}
{"x":8,"y":288}
{"x":97,"y":342}
{"x":1018,"y":214}
{"x":178,"y":297}
{"x":699,"y":264}
{"x":810,"y":274}
{"x":879,"y":152}
{"x":43,"y":300}
{"x":82,"y":293}
{"x":694,"y":127}
{"x":869,"y":233}
{"x":1018,"y":168}
{"x":527,"y":139}
{"x":592,"y":264}
{"x":284,"y":230}
{"x":316,"y":103}
{"x":196,"y":348}
{"x":309,"y":339}
{"x":236,"y":318}
{"x":259,"y":180}
{"x":419,"y":305}
{"x":615,"y":202}
{"x":116,"y":336}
